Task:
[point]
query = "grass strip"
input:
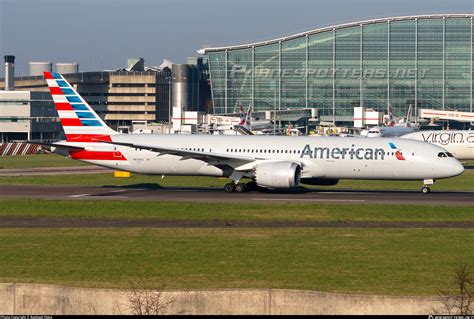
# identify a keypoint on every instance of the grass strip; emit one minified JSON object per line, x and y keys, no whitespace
{"x":185,"y":211}
{"x":372,"y":261}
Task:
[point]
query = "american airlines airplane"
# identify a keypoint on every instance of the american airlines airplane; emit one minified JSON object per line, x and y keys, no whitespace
{"x":457,"y":142}
{"x":269,"y":161}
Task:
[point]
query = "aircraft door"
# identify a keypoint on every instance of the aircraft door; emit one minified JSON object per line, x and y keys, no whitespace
{"x":117,"y":153}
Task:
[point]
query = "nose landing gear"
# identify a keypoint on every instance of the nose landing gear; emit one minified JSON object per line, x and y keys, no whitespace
{"x":426,"y":188}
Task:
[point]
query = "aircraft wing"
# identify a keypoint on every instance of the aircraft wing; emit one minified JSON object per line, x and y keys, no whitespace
{"x":236,"y":162}
{"x":204,"y":156}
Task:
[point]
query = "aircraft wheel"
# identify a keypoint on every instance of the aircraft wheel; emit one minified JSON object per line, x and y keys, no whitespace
{"x":425,"y":190}
{"x":229,"y":188}
{"x":240,"y":188}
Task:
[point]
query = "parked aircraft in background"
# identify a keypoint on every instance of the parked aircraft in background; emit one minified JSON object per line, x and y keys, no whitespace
{"x":246,"y":125}
{"x":389,"y":118}
{"x":269,"y":161}
{"x":390,"y":127}
{"x":457,"y":142}
{"x":386,"y":131}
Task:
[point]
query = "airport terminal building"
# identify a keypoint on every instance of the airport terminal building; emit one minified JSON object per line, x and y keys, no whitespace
{"x":425,"y":61}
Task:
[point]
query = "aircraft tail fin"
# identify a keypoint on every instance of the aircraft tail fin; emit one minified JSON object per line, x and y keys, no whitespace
{"x":78,"y":119}
{"x":242,"y":115}
{"x":408,"y":119}
{"x":248,"y":118}
{"x":390,"y":116}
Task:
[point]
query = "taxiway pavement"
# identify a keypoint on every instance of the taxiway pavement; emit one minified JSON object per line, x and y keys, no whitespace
{"x":300,"y":195}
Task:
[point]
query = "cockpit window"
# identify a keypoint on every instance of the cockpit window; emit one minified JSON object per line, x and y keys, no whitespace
{"x":441,"y":154}
{"x":449,"y":154}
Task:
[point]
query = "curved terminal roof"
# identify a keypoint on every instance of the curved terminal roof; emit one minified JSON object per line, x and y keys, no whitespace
{"x":331,"y":28}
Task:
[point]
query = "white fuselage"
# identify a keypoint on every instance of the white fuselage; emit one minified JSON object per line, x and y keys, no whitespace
{"x":320,"y":157}
{"x":387,"y":131}
{"x":457,"y":142}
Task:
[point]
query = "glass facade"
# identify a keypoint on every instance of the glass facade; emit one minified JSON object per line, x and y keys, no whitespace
{"x":425,"y":61}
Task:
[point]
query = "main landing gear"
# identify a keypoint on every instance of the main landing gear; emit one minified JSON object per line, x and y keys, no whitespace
{"x":426,"y":188}
{"x":236,"y":186}
{"x":240,"y":187}
{"x":229,"y":188}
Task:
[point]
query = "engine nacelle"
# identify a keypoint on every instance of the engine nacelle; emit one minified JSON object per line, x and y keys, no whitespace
{"x":319,"y":181}
{"x":278,"y":175}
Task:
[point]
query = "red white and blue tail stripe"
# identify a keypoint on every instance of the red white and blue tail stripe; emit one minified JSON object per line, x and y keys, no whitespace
{"x":85,"y":130}
{"x":79,"y":121}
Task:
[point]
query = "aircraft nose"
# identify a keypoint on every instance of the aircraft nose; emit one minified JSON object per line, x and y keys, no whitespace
{"x":458,"y":168}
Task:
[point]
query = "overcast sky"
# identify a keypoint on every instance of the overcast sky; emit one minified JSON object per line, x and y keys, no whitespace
{"x":102,"y":34}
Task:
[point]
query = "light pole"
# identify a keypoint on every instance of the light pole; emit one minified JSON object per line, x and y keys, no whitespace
{"x":273,"y":85}
{"x":363,"y":81}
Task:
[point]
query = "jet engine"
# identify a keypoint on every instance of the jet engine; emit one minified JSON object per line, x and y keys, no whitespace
{"x":319,"y":181}
{"x":278,"y":174}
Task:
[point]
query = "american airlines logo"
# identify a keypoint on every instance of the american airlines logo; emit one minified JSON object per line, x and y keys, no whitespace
{"x":343,"y":153}
{"x":398,"y":154}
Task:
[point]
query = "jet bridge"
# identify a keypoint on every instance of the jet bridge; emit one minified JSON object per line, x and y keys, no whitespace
{"x":447,"y":115}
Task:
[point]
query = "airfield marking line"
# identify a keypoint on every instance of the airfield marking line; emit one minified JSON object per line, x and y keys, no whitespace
{"x":118,"y":191}
{"x":79,"y":195}
{"x":120,"y":197}
{"x":340,"y":192}
{"x":310,"y":199}
{"x":185,"y":190}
